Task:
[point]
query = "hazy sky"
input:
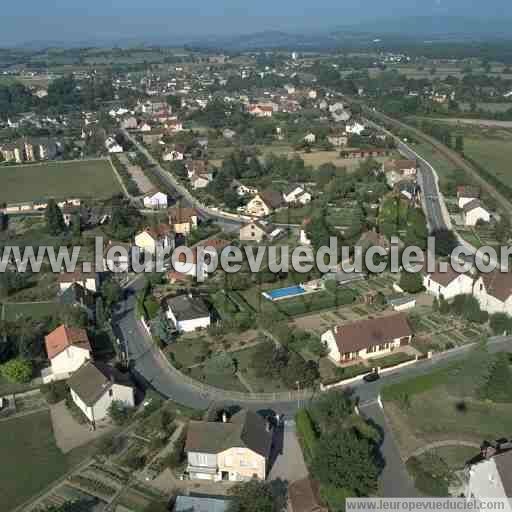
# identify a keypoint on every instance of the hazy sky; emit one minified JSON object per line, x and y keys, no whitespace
{"x":100,"y":20}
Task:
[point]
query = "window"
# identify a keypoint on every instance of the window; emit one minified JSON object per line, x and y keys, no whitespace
{"x":201,"y":459}
{"x":110,"y":392}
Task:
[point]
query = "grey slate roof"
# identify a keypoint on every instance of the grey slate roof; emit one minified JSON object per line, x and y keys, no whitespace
{"x":93,"y":379}
{"x":503,"y":462}
{"x":185,"y":307}
{"x":245,"y":430}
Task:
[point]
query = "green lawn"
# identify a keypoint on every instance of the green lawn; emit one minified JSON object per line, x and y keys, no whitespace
{"x":259,"y":385}
{"x":492,"y":153}
{"x":16,"y":311}
{"x":30,"y":458}
{"x":222,"y":380}
{"x":90,"y":178}
{"x":446,"y":404}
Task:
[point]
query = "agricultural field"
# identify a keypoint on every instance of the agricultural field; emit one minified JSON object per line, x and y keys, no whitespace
{"x":35,"y":310}
{"x":61,"y":180}
{"x":492,"y":149}
{"x":30,"y":458}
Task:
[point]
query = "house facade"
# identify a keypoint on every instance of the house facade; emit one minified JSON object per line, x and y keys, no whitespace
{"x":493,"y":291}
{"x":94,"y":386}
{"x":68,"y":348}
{"x":188,"y":313}
{"x":447,"y":284}
{"x":369,"y":338}
{"x":235,"y":450}
{"x":156,"y":201}
{"x":474,"y":212}
{"x":90,"y":281}
{"x":253,"y":232}
{"x":183,"y":220}
{"x":491,"y":477}
{"x":155,"y":238}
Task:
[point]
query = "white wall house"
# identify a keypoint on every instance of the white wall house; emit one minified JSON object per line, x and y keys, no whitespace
{"x":296,"y":194}
{"x":95,"y":386}
{"x":447,"y":284}
{"x":67,"y":349}
{"x":153,"y":238}
{"x":188,"y":313}
{"x":366,"y":339}
{"x":89,"y":281}
{"x":156,"y":201}
{"x":474,"y":212}
{"x":490,"y":478}
{"x":112,"y":146}
{"x":355,"y":128}
{"x":493,"y":291}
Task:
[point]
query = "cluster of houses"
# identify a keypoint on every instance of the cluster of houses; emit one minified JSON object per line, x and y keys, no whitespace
{"x":472,"y":209}
{"x":93,"y":385}
{"x":30,"y":149}
{"x":263,"y":203}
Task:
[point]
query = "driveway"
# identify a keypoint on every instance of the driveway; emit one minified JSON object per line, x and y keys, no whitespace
{"x":69,"y":434}
{"x":288,"y":462}
{"x":395,"y":481}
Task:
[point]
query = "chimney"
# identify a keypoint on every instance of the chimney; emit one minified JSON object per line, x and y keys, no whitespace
{"x":224,"y":417}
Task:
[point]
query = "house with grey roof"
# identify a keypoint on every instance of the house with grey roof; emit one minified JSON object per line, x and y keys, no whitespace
{"x":490,"y":476}
{"x":188,"y":313}
{"x":94,"y":386}
{"x":233,"y":450}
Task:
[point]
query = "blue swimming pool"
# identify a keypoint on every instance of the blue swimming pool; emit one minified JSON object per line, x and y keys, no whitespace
{"x":282,"y":293}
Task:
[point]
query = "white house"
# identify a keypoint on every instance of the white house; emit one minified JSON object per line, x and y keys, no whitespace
{"x":263,"y":203}
{"x":255,"y":231}
{"x":156,"y":201}
{"x":173,"y":155}
{"x":303,"y":235}
{"x":152,"y":238}
{"x":67,"y":348}
{"x":466,"y":194}
{"x":474,"y":212}
{"x":89,"y":280}
{"x":112,"y":146}
{"x":355,"y":128}
{"x":243,"y":190}
{"x":490,"y":477}
{"x":310,"y":138}
{"x":447,"y":284}
{"x":369,"y":338}
{"x":188,"y":313}
{"x":296,"y":194}
{"x":493,"y":290}
{"x":94,"y":386}
{"x":199,"y":269}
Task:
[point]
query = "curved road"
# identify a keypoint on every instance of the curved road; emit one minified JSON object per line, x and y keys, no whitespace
{"x":151,"y":369}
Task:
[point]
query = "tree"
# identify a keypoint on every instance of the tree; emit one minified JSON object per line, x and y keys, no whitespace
{"x":459,"y":143}
{"x":411,"y":282}
{"x":119,"y":413}
{"x":112,"y":293}
{"x":331,"y":409}
{"x":17,"y":370}
{"x":344,"y":460}
{"x":101,"y":317}
{"x":501,"y":323}
{"x":258,"y":496}
{"x":54,"y":219}
{"x":503,"y":229}
{"x":445,"y":242}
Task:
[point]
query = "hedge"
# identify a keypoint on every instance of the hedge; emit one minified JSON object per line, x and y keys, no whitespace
{"x":306,"y":431}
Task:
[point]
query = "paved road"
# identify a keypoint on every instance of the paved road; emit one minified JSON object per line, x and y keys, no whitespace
{"x":149,"y":366}
{"x":225,"y":220}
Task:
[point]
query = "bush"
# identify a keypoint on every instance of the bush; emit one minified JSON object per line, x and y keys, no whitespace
{"x":55,"y":391}
{"x":119,"y":413}
{"x":431,"y":475}
{"x":306,"y":431}
{"x":17,"y":370}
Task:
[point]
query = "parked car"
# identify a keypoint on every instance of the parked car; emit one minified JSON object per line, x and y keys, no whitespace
{"x":371,"y":377}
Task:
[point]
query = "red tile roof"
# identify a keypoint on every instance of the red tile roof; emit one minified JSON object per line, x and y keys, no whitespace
{"x":63,"y":337}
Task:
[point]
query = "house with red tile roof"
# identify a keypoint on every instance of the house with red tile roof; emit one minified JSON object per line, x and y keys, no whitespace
{"x":368,"y":338}
{"x":67,"y":348}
